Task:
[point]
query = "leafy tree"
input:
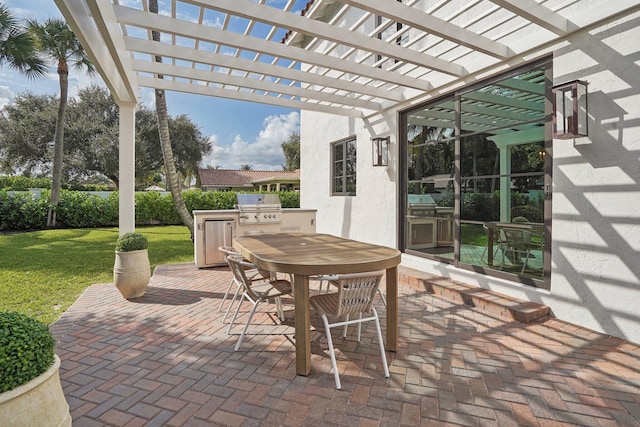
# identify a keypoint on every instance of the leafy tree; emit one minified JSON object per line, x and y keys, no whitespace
{"x":165,"y":140}
{"x":189,"y":146}
{"x":91,"y":138}
{"x":149,"y":158}
{"x":246,"y":167}
{"x":26,"y":134}
{"x":56,"y":41}
{"x":17,"y":47}
{"x":91,"y":135}
{"x":291,"y":150}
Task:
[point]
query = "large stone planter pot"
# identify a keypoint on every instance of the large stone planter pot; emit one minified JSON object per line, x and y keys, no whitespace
{"x":131,"y":273}
{"x":38,"y":403}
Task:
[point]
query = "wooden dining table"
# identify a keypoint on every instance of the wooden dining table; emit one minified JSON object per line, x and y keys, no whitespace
{"x":309,"y":254}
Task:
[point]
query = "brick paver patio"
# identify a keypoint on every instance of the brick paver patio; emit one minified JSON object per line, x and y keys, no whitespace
{"x":165,"y":359}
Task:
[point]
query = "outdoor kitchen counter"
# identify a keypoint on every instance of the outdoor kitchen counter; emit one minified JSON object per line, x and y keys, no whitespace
{"x":308,"y":254}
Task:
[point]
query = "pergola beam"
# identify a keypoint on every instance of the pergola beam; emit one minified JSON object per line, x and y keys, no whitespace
{"x":273,"y":16}
{"x":238,"y":81}
{"x":538,"y":14}
{"x":265,"y":69}
{"x":422,"y":21}
{"x":246,"y":96}
{"x":210,"y":34}
{"x":107,"y":54}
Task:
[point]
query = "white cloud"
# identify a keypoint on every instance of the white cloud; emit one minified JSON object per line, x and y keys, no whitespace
{"x":148,"y":98}
{"x":6,"y":96}
{"x":80,"y":80}
{"x":265,"y":153}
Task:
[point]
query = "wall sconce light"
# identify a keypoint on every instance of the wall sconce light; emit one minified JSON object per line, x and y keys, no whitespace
{"x":570,"y":110}
{"x":380,"y":150}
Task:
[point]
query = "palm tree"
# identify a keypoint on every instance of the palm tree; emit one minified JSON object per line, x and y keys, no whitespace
{"x":17,"y":47}
{"x":55,"y":40}
{"x":165,"y":141}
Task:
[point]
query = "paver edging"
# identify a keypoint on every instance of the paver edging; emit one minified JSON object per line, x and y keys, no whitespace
{"x":494,"y":302}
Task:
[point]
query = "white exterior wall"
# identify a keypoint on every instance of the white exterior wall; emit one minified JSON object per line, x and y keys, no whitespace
{"x":595,"y":280}
{"x":370,"y":216}
{"x":596,"y":202}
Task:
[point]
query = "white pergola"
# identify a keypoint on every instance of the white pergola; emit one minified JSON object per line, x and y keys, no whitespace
{"x":349,"y":58}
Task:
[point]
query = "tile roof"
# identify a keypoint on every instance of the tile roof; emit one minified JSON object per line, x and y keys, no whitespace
{"x":243,"y":178}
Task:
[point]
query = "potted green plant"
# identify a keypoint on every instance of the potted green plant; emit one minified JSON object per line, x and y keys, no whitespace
{"x":30,"y":389}
{"x":131,"y":271}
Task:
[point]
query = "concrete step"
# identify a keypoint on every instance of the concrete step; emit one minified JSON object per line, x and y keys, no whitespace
{"x":506,"y":307}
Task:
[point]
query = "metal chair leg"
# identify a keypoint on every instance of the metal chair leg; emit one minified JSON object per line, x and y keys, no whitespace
{"x":233,"y":300}
{"x":332,"y":354}
{"x":246,"y":325}
{"x":226,"y":294}
{"x":233,"y":319}
{"x":383,"y":355}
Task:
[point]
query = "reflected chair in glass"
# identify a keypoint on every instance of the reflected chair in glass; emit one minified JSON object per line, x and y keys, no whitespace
{"x":355,"y":296}
{"x":499,"y":241}
{"x":255,"y":292}
{"x":519,"y":246}
{"x":534,"y":242}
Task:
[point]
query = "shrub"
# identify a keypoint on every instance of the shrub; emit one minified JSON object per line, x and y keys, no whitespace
{"x":83,"y":210}
{"x":130,"y":242}
{"x":23,"y":183}
{"x":26,"y":349}
{"x":209,"y":200}
{"x":21,"y":212}
{"x":481,"y":206}
{"x":152,"y":208}
{"x":290,"y":199}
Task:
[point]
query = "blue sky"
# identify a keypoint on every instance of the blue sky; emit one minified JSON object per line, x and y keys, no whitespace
{"x":241,"y":132}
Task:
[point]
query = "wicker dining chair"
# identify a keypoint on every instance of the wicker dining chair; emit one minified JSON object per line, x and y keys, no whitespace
{"x":355,"y":296}
{"x":325,"y":282}
{"x":252,"y":273}
{"x":255,"y":292}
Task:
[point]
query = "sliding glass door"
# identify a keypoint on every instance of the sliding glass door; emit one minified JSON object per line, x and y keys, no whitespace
{"x":477,"y":174}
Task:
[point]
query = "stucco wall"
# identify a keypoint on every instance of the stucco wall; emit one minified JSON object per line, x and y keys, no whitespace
{"x":596,"y":200}
{"x":371,"y":215}
{"x":596,"y":189}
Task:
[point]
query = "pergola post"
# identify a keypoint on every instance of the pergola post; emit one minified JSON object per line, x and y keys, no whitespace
{"x":505,"y":183}
{"x":127,"y":170}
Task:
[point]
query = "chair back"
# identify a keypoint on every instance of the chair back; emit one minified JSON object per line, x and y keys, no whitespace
{"x":239,"y":268}
{"x":228,"y":251}
{"x":514,"y":238}
{"x":356,"y":292}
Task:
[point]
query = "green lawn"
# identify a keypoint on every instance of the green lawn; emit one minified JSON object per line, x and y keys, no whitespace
{"x":43,"y":272}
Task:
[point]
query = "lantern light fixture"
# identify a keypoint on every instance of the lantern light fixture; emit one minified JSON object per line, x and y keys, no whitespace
{"x":570,"y":110}
{"x":380,"y":150}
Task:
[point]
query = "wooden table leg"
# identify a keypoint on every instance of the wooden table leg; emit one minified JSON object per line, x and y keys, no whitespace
{"x":392,"y":308}
{"x":302,"y":324}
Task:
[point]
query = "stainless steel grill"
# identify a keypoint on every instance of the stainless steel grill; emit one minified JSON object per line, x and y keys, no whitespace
{"x":259,"y":209}
{"x":422,"y":209}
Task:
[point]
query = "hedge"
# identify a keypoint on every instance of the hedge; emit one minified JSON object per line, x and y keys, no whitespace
{"x":78,"y":209}
{"x":23,"y":183}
